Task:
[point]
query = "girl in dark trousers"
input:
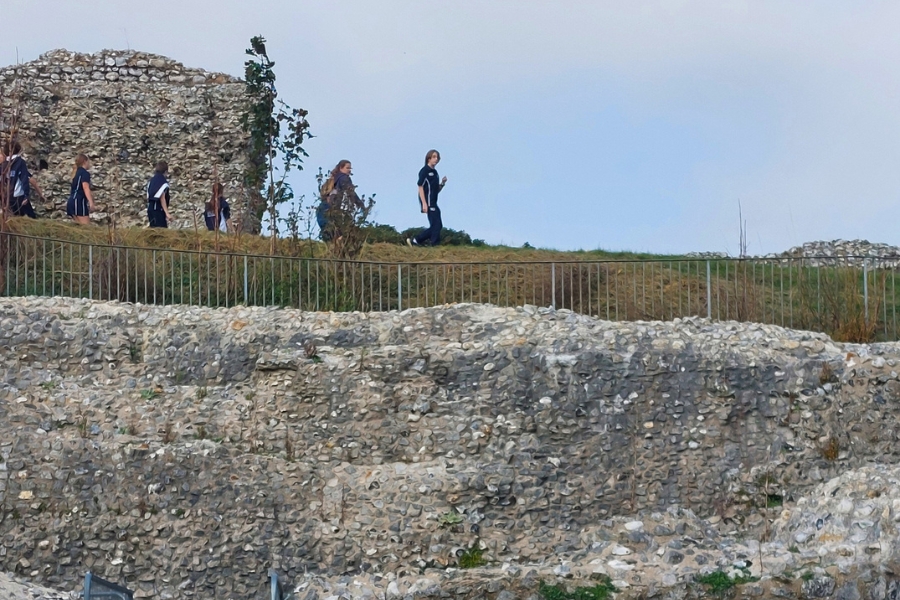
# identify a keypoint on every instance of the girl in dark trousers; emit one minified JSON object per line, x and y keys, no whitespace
{"x":217,"y":205}
{"x":429,"y":188}
{"x":158,"y":197}
{"x":81,"y":201}
{"x":17,"y":180}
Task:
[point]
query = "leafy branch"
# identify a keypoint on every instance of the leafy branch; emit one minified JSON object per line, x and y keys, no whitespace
{"x":277,"y":132}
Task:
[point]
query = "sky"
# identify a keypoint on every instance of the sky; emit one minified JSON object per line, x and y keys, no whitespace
{"x":570,"y":124}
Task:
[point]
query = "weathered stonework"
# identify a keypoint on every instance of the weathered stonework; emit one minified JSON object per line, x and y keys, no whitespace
{"x":846,"y":253}
{"x":126,"y":110}
{"x":186,"y":450}
{"x":841,"y":253}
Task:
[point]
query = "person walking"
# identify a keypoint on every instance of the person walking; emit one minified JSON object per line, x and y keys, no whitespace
{"x":81,"y":201}
{"x":337,"y":194}
{"x":429,"y":187}
{"x":158,"y":198}
{"x":17,"y":180}
{"x":217,"y":212}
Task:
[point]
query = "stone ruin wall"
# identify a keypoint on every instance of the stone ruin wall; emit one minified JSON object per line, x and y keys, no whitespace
{"x":185,"y":451}
{"x":126,"y":110}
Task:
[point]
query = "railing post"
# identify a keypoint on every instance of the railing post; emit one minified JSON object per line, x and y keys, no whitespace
{"x":399,"y":287}
{"x":553,"y":285}
{"x":866,"y":288}
{"x":91,"y":272}
{"x":274,"y":586}
{"x":708,"y":293}
{"x":246,"y":287}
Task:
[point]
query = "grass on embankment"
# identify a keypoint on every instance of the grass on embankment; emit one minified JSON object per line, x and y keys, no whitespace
{"x":828,"y":299}
{"x":188,"y":239}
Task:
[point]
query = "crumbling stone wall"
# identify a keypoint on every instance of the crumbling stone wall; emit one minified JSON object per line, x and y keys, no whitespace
{"x":126,"y":110}
{"x":211,"y":444}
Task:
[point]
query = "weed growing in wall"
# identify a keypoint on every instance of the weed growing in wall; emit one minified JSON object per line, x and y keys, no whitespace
{"x":472,"y":558}
{"x":719,"y":582}
{"x":600,"y":591}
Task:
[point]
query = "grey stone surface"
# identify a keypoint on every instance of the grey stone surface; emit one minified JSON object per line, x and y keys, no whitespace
{"x":185,"y":450}
{"x":127,"y":110}
{"x":830,"y":253}
{"x":13,"y":588}
{"x":845,"y":252}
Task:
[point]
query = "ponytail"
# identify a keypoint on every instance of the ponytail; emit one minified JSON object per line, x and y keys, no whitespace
{"x":80,"y":161}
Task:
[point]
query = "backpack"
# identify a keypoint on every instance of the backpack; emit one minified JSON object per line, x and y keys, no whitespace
{"x":327,"y":188}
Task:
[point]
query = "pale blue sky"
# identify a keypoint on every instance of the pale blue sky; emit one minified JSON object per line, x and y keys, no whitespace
{"x":620,"y":125}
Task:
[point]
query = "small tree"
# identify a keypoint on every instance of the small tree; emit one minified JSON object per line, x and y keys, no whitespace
{"x":276,"y":131}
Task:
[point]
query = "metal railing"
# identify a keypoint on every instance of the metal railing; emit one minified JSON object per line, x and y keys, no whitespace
{"x":851,"y":298}
{"x":95,"y":587}
{"x":275,"y":590}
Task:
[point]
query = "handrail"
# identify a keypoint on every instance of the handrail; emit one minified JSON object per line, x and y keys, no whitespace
{"x":852,"y":298}
{"x":107,"y":589}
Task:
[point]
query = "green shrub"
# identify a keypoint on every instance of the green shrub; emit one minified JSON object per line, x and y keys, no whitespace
{"x":388,"y":234}
{"x":382,"y":234}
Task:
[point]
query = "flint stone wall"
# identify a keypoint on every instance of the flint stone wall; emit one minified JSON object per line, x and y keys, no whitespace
{"x":846,"y":253}
{"x":127,"y":110}
{"x":186,"y":450}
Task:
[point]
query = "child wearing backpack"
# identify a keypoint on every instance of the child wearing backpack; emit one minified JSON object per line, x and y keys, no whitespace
{"x":337,"y":190}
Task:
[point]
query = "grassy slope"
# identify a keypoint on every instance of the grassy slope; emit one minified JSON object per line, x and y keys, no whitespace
{"x":204,"y":240}
{"x":791,"y":294}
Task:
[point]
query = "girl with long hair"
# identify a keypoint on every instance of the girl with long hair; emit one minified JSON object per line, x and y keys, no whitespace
{"x":336,"y":195}
{"x":81,"y":201}
{"x":216,"y":211}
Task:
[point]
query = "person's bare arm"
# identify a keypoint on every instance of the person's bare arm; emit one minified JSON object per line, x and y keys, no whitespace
{"x":165,"y":206}
{"x":422,"y":199}
{"x":33,"y":182}
{"x":87,"y":194}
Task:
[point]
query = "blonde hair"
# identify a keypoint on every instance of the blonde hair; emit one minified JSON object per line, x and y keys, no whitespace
{"x":80,"y":161}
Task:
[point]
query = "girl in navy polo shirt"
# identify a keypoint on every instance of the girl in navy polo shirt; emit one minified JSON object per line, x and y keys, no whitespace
{"x":429,"y":188}
{"x":158,"y":197}
{"x":81,"y":201}
{"x":219,"y":202}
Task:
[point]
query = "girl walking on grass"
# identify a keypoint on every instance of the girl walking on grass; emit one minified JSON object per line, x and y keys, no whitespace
{"x":217,"y":212}
{"x":430,"y":185}
{"x":158,"y":197}
{"x":338,"y":202}
{"x":81,"y":202}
